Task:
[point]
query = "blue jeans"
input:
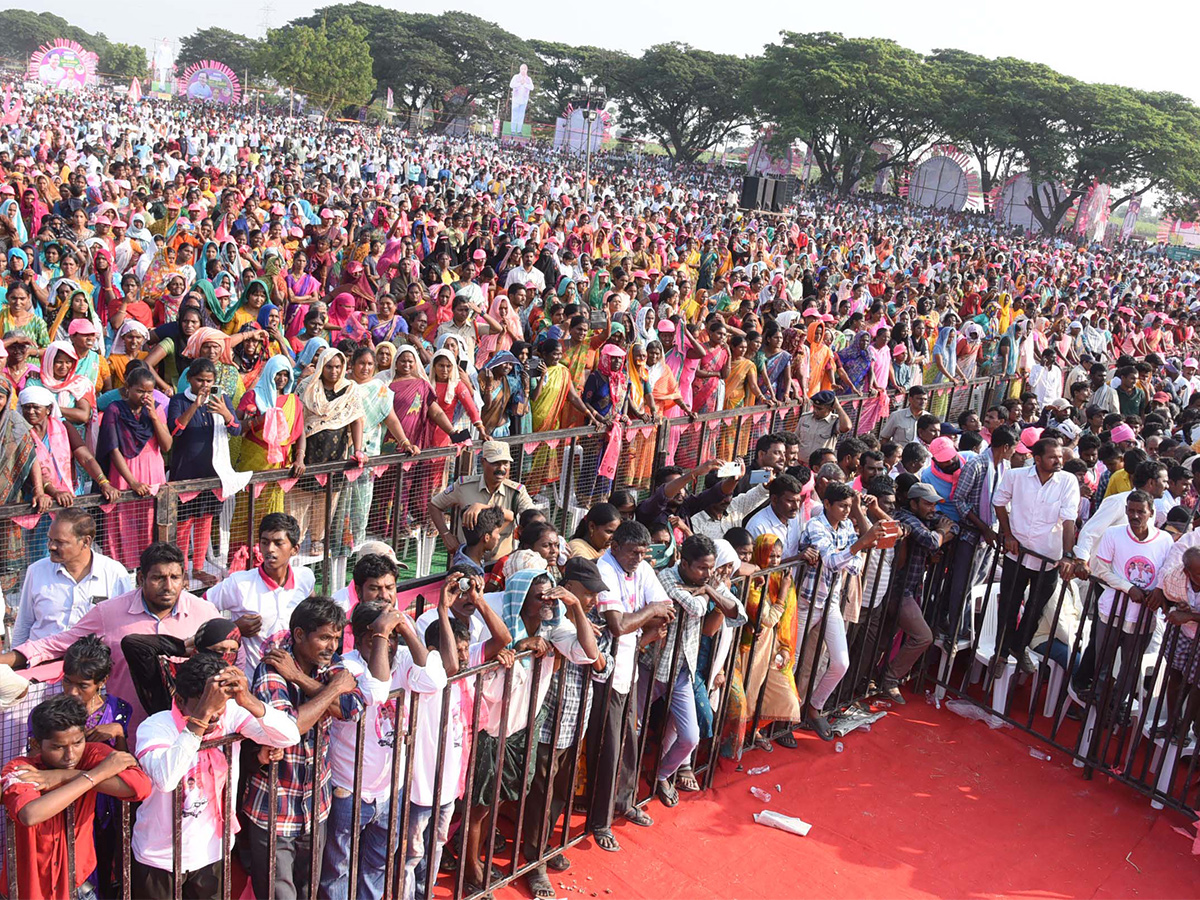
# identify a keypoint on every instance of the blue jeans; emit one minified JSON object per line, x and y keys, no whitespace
{"x":372,"y":848}
{"x":419,"y":821}
{"x":682,"y":733}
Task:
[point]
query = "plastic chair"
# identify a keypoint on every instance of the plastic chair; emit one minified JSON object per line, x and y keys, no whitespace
{"x":946,"y":653}
{"x":987,"y":649}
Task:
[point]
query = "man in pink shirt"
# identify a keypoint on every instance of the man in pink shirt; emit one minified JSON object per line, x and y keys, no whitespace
{"x":160,"y":606}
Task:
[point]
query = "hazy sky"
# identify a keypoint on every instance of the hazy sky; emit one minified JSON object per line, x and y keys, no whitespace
{"x":1150,"y":46}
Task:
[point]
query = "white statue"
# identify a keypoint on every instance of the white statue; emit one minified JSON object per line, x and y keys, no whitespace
{"x":522,"y":87}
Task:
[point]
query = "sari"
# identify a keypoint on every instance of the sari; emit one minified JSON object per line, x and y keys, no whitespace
{"x":820,"y":360}
{"x":578,"y":362}
{"x":349,"y":523}
{"x":131,"y":524}
{"x":641,"y":445}
{"x":18,"y":454}
{"x":875,"y":404}
{"x":266,"y":445}
{"x":493,"y":343}
{"x":856,"y":361}
{"x":705,"y":393}
{"x":740,"y":370}
{"x":768,"y":673}
{"x":548,"y":410}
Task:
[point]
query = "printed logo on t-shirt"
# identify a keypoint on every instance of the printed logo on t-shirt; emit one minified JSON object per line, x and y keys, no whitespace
{"x":1140,"y":572}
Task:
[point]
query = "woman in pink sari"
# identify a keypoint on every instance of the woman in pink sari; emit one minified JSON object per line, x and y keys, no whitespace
{"x":876,"y":404}
{"x":133,"y":438}
{"x":713,"y":368}
{"x":490,"y":344}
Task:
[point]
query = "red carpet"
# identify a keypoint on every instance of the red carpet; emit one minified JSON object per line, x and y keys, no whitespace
{"x":925,"y":805}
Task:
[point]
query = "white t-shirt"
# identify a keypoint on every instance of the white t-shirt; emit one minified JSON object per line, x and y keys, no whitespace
{"x":457,"y":736}
{"x":627,"y":594}
{"x":1138,"y":562}
{"x":253,"y":592}
{"x":170,"y":755}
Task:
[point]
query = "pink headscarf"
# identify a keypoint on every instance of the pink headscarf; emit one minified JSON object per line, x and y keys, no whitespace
{"x":490,"y":344}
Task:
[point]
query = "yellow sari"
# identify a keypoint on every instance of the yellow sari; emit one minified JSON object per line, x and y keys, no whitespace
{"x":547,"y":414}
{"x":735,"y":398}
{"x":641,"y":446}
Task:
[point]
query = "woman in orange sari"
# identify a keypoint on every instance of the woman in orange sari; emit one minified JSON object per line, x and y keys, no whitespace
{"x":768,"y":674}
{"x":641,"y":402}
{"x":664,"y":390}
{"x":741,"y":384}
{"x":822,"y":364}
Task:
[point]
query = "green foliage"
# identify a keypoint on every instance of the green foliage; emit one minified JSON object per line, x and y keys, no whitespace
{"x":331,"y":63}
{"x":126,"y":60}
{"x":841,"y":95}
{"x":242,"y":54}
{"x":687,"y":99}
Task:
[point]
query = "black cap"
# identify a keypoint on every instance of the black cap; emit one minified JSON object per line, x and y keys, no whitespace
{"x":825,"y":398}
{"x":585,"y":572}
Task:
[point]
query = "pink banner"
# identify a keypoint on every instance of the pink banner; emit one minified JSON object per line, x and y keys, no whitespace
{"x":354,"y":474}
{"x":612,"y":453}
{"x":287,"y":484}
{"x":322,"y":480}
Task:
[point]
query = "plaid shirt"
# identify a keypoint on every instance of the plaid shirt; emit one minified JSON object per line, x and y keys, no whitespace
{"x":690,"y":620}
{"x":293,"y":803}
{"x":922,"y":542}
{"x":575,"y":676}
{"x":969,"y":492}
{"x":834,"y":546}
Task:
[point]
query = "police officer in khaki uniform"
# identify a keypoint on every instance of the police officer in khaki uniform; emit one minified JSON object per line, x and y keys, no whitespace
{"x":821,"y":428}
{"x":470,"y":495}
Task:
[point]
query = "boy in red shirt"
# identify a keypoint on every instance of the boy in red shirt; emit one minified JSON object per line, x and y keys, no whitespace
{"x":63,"y":770}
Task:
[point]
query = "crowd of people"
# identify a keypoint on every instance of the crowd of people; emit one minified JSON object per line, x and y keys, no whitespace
{"x":193,"y":293}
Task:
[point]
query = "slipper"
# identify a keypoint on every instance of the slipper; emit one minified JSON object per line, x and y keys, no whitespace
{"x":667,"y":793}
{"x":787,"y":740}
{"x":685,"y":780}
{"x":605,"y":841}
{"x":761,"y":743}
{"x":558,"y":863}
{"x":539,"y":885}
{"x":638,"y":817}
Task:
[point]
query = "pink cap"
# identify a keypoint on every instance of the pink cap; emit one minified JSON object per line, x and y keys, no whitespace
{"x":943,"y":450}
{"x":1122,"y":433}
{"x":479,"y":254}
{"x":326,"y":214}
{"x":1029,"y":437}
{"x":222,"y":292}
{"x":900,"y":350}
{"x":82,"y":326}
{"x":1191,"y":361}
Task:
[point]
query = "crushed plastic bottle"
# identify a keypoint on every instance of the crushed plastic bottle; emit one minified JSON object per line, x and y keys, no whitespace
{"x":866,"y":727}
{"x":1039,"y":754}
{"x":885,"y":704}
{"x":761,"y":794}
{"x":838,"y":747}
{"x":932,"y":699}
{"x":778,"y":789}
{"x":758,"y":770}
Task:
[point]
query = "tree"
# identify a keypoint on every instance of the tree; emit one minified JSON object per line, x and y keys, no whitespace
{"x":331,"y":63}
{"x":559,"y":71}
{"x":687,"y":99}
{"x":841,"y":96}
{"x":242,"y":54}
{"x":989,"y":105}
{"x":125,"y":60}
{"x":1135,"y":141}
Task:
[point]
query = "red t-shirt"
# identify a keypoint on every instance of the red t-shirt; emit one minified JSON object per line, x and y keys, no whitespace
{"x":42,"y":849}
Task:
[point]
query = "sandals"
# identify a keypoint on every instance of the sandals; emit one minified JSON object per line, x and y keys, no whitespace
{"x":761,"y":743}
{"x":787,"y":740}
{"x":820,"y":724}
{"x":539,"y":884}
{"x":638,"y":817}
{"x":558,"y":863}
{"x":685,"y":780}
{"x":605,"y":841}
{"x":667,"y":793}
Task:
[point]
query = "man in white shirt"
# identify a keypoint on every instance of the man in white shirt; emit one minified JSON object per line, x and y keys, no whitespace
{"x":1130,"y":560}
{"x":448,"y":782}
{"x":381,"y":667}
{"x":261,"y":600}
{"x":211,"y":700}
{"x":58,"y":591}
{"x":634,"y":602}
{"x":525,"y":273}
{"x":781,"y":515}
{"x":1187,"y":383}
{"x":1036,"y":507}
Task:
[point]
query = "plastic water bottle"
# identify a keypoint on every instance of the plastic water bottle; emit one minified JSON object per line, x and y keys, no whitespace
{"x":761,"y":794}
{"x":758,"y":770}
{"x":838,"y":748}
{"x":1039,"y":754}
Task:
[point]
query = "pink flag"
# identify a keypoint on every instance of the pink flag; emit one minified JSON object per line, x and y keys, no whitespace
{"x":135,"y":90}
{"x":390,"y":99}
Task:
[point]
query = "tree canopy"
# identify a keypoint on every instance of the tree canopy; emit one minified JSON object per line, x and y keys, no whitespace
{"x":242,"y":54}
{"x":330,"y":63}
